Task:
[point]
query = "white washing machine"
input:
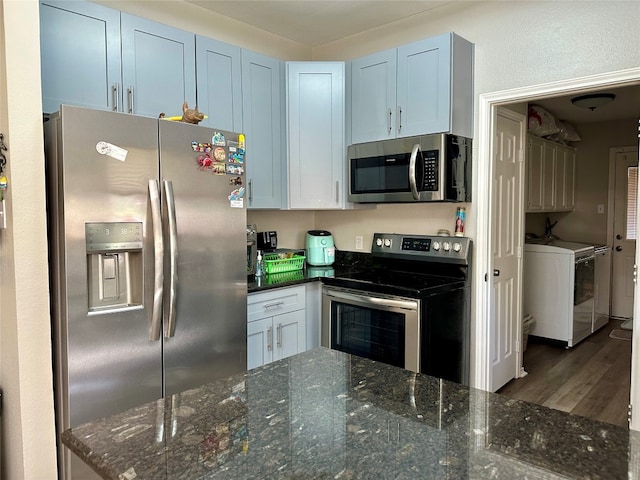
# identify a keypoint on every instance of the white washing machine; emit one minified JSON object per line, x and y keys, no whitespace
{"x":559,"y":289}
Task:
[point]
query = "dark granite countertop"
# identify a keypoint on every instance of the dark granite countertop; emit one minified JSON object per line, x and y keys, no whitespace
{"x":324,"y":414}
{"x":345,"y":262}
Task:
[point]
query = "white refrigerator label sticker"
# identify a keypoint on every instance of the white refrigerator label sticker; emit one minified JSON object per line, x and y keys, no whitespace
{"x":105,"y":148}
{"x":237,"y":203}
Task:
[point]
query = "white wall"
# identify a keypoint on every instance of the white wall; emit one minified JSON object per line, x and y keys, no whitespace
{"x":585,"y":224}
{"x":517,"y":44}
{"x":205,"y":22}
{"x":28,"y":433}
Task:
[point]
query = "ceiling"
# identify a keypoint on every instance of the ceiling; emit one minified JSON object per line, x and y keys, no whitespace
{"x":625,"y":105}
{"x":314,"y":22}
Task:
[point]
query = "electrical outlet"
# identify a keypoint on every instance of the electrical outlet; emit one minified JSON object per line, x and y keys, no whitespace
{"x":600,"y":208}
{"x":359,"y":242}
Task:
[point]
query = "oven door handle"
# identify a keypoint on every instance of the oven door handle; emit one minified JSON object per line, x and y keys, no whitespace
{"x":377,"y":301}
{"x":412,"y":171}
{"x":585,"y":259}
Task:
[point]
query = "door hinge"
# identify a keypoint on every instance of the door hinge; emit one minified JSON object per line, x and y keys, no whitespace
{"x":629,"y":413}
{"x":519,"y":251}
{"x":521,"y":155}
{"x":518,"y":346}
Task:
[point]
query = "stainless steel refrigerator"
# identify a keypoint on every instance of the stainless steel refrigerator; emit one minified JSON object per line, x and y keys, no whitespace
{"x":147,"y":233}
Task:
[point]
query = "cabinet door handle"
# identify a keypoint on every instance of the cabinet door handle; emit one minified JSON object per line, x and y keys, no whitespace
{"x":273,"y":305}
{"x":337,"y":192}
{"x":251,"y":191}
{"x":116,"y":95}
{"x":279,"y":335}
{"x":399,"y":118}
{"x":270,"y":339}
{"x":390,"y":113}
{"x":130,"y":97}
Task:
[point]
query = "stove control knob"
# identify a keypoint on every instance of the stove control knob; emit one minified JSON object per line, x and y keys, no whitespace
{"x":379,"y":242}
{"x":387,"y":242}
{"x":457,"y":247}
{"x":446,"y":246}
{"x":436,"y":246}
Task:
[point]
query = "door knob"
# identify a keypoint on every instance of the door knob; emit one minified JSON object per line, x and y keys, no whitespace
{"x":618,"y":248}
{"x":496,"y":272}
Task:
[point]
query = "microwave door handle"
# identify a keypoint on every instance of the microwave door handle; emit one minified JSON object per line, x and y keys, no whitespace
{"x":158,"y":252}
{"x":170,"y":327}
{"x":412,"y":171}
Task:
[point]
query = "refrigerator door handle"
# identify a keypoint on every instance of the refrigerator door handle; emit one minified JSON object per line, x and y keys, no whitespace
{"x":170,"y":327}
{"x":158,"y":250}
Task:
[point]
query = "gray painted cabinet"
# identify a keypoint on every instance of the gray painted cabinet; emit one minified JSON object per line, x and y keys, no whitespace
{"x":315,"y":135}
{"x":89,"y":76}
{"x":419,"y":88}
{"x":97,"y":57}
{"x":218,"y":79}
{"x":262,"y":113}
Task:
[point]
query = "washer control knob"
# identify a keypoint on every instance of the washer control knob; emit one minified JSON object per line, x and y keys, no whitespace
{"x":379,"y":242}
{"x":457,"y":247}
{"x":387,"y":242}
{"x":436,"y":246}
{"x":446,"y":246}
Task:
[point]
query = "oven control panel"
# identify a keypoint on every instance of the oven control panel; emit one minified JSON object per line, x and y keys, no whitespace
{"x":422,"y":247}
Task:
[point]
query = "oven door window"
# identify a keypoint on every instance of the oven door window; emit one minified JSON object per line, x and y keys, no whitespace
{"x":368,"y":332}
{"x":584,"y":279}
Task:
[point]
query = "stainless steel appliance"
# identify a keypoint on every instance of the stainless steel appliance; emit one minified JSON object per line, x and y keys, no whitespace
{"x":267,"y":241}
{"x":602,"y":279}
{"x":411,"y":309}
{"x":252,"y":249}
{"x":149,"y":288}
{"x":425,"y":168}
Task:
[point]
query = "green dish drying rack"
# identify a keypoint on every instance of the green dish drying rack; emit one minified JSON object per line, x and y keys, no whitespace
{"x":274,"y":264}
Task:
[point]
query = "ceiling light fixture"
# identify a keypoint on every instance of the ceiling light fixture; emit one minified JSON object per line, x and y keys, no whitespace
{"x":593,"y":101}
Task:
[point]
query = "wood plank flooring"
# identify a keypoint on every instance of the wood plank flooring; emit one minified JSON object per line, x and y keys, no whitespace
{"x":592,"y":379}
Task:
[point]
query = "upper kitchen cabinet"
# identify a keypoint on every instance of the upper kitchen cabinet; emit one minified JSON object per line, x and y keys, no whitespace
{"x":420,"y":88}
{"x":315,"y":135}
{"x":158,"y":67}
{"x":219,"y":85}
{"x":89,"y":76}
{"x":262,"y":114}
{"x":550,"y":176}
{"x":97,"y":57}
{"x":373,"y":96}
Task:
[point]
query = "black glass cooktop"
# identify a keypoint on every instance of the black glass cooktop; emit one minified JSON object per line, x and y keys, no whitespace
{"x":393,"y":282}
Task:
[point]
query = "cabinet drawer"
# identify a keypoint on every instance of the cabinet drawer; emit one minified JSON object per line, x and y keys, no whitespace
{"x":275,"y":302}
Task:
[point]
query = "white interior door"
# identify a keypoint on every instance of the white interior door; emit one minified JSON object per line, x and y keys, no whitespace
{"x":624,"y":232}
{"x":507,"y":239}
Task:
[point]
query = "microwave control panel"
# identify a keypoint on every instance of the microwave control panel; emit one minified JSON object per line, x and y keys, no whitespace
{"x":430,"y":165}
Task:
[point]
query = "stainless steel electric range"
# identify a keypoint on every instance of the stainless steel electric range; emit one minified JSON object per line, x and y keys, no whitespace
{"x":410,"y":309}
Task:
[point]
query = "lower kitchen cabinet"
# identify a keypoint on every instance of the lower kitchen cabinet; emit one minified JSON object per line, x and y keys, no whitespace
{"x":276,"y":326}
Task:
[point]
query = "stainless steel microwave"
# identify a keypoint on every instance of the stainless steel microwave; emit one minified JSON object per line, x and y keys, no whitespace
{"x":426,"y":168}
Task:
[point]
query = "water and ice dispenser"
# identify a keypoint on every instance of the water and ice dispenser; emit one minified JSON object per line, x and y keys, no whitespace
{"x":114,"y":265}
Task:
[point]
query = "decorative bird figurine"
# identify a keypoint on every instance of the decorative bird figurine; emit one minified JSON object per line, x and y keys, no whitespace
{"x":191,"y":115}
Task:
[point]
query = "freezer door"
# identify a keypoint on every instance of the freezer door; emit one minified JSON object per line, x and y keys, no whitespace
{"x":98,"y":167}
{"x":205,"y":319}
